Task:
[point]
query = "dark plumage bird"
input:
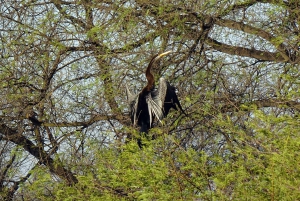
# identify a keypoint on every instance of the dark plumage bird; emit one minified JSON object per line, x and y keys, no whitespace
{"x":152,"y":103}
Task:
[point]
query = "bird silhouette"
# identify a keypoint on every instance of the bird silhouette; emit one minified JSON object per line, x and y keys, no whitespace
{"x":152,"y":103}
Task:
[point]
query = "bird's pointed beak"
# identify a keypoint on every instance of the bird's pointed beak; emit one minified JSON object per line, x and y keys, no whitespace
{"x":163,"y":54}
{"x":157,"y":57}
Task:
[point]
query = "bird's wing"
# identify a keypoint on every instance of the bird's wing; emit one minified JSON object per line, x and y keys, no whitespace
{"x":171,"y":99}
{"x":166,"y":97}
{"x":130,"y":96}
{"x":155,"y":101}
{"x":134,"y":110}
{"x":162,"y":100}
{"x":154,"y":108}
{"x":161,"y":92}
{"x":132,"y":100}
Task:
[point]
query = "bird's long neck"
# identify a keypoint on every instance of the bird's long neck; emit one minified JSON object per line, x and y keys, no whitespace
{"x":150,"y":76}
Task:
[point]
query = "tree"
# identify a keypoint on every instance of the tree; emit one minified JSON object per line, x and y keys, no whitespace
{"x":64,"y":117}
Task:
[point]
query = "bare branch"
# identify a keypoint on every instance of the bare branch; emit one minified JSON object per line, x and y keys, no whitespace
{"x":245,"y":52}
{"x":55,"y":167}
{"x":255,"y":31}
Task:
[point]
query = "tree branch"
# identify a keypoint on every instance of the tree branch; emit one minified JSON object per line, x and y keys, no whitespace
{"x":124,"y":119}
{"x":245,"y":52}
{"x":55,"y":167}
{"x":62,"y":11}
{"x":255,"y":31}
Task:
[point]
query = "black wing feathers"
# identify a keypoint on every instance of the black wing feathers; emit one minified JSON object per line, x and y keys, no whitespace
{"x":171,"y":100}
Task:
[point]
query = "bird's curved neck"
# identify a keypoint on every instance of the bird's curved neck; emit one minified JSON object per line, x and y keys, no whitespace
{"x":150,"y":76}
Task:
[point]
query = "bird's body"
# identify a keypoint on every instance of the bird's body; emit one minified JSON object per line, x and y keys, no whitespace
{"x":151,"y":102}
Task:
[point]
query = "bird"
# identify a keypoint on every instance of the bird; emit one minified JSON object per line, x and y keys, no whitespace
{"x":152,"y":103}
